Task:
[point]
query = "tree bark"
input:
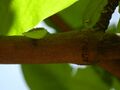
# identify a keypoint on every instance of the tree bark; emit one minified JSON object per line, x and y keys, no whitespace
{"x":80,"y":47}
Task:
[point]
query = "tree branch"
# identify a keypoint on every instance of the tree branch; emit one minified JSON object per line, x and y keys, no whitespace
{"x":83,"y":47}
{"x":59,"y":22}
{"x":79,"y":47}
{"x":56,"y":48}
{"x":106,"y":14}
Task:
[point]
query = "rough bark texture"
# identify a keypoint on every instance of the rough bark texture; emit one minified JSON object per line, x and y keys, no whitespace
{"x":70,"y":47}
{"x":106,"y":14}
{"x":85,"y":47}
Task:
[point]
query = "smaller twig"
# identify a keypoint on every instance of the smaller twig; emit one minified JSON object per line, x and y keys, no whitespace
{"x":106,"y":14}
{"x":60,"y":23}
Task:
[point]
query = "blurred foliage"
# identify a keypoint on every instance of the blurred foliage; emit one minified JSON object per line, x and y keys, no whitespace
{"x":82,"y":14}
{"x":18,"y":16}
{"x":6,"y":16}
{"x":61,"y":77}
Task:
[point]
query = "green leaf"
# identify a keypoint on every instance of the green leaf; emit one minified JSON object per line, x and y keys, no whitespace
{"x":47,"y":77}
{"x":88,"y":79}
{"x":36,"y":33}
{"x":61,"y":77}
{"x":25,"y":14}
{"x":105,"y":76}
{"x":82,"y":14}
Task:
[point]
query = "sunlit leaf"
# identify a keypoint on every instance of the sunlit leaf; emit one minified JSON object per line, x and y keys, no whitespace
{"x":19,"y":16}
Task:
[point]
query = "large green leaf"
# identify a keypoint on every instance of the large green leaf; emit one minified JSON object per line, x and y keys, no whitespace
{"x":82,"y":14}
{"x":60,"y":77}
{"x":47,"y":77}
{"x":18,"y":16}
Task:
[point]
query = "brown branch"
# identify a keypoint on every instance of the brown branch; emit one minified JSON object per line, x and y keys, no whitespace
{"x":60,"y":23}
{"x":80,"y":47}
{"x":109,"y":51}
{"x":56,"y":48}
{"x":70,"y":47}
{"x":106,"y":14}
